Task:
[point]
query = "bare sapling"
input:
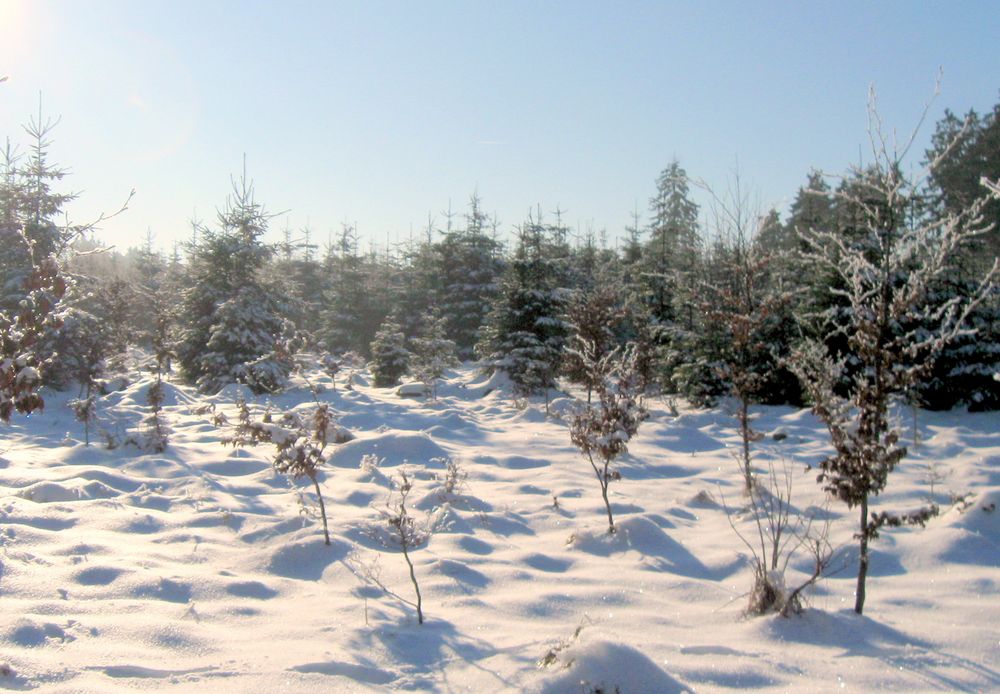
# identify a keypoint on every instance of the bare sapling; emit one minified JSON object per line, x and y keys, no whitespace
{"x":602,"y":429}
{"x":332,"y":366}
{"x":742,"y":304}
{"x":778,"y":535}
{"x":891,"y":329}
{"x":157,"y":432}
{"x":406,"y":533}
{"x":89,"y":366}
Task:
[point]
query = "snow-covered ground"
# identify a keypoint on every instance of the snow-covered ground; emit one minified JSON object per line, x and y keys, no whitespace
{"x":201,"y":568}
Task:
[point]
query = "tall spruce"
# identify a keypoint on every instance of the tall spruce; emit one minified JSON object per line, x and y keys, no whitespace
{"x":671,"y":253}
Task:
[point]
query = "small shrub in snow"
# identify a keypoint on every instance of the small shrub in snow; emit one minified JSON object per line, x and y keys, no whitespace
{"x":332,"y":366}
{"x":370,"y":463}
{"x":300,"y":443}
{"x":454,"y":477}
{"x":603,"y":429}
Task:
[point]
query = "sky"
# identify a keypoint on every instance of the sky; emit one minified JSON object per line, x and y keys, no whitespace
{"x":385,"y":114}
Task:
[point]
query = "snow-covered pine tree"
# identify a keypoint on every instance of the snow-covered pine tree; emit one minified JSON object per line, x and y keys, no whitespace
{"x":670,"y":257}
{"x":390,"y":358}
{"x":33,"y":283}
{"x":232,"y":327}
{"x":432,"y":351}
{"x":526,"y":331}
{"x":469,"y":267}
{"x":965,"y":371}
{"x":351,"y":311}
{"x":891,"y":332}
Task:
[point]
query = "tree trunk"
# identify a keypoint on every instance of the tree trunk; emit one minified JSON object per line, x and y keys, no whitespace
{"x":322,"y":508}
{"x":745,"y":433}
{"x":416,"y":586}
{"x":607,"y":504}
{"x":859,"y":596}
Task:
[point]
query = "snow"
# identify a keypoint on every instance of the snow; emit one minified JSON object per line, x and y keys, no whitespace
{"x":200,"y":567}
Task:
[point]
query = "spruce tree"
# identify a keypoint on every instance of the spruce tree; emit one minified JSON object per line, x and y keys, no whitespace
{"x":470,"y":266}
{"x":670,"y":256}
{"x":352,"y":312}
{"x":433,"y":352}
{"x":232,"y":327}
{"x":390,"y":358}
{"x":526,"y":331}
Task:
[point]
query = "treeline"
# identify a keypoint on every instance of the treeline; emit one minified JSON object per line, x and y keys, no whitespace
{"x":714,"y":300}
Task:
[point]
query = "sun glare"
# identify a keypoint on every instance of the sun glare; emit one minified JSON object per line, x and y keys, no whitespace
{"x":16,"y":24}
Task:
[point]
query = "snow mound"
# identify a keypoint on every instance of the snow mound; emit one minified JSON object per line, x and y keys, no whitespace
{"x":233,"y":392}
{"x":392,"y":447}
{"x":637,"y":533}
{"x":138,"y":394}
{"x":605,"y":666}
{"x":412,"y":390}
{"x":982,"y":516}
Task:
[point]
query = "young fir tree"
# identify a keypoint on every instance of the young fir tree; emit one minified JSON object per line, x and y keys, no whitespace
{"x":526,"y":331}
{"x":892,"y":334}
{"x":745,"y":327}
{"x":432,"y":351}
{"x":390,"y":358}
{"x":351,"y":313}
{"x":469,"y":267}
{"x":232,"y":328}
{"x":33,"y":283}
{"x":965,"y":371}
{"x":116,"y":303}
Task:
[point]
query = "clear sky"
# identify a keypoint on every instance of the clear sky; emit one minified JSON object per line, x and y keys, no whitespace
{"x":382,"y":112}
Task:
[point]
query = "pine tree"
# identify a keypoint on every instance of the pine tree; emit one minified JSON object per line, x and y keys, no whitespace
{"x":670,"y":256}
{"x":526,"y":333}
{"x":352,"y":311}
{"x":390,"y":358}
{"x":433,"y":352}
{"x":233,"y":330}
{"x":964,"y":373}
{"x":469,"y":265}
{"x":33,"y":283}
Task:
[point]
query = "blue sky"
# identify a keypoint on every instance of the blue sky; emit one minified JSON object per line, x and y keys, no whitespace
{"x":382,"y":112}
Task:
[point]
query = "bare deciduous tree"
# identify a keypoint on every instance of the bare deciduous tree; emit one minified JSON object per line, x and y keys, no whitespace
{"x":892,"y":332}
